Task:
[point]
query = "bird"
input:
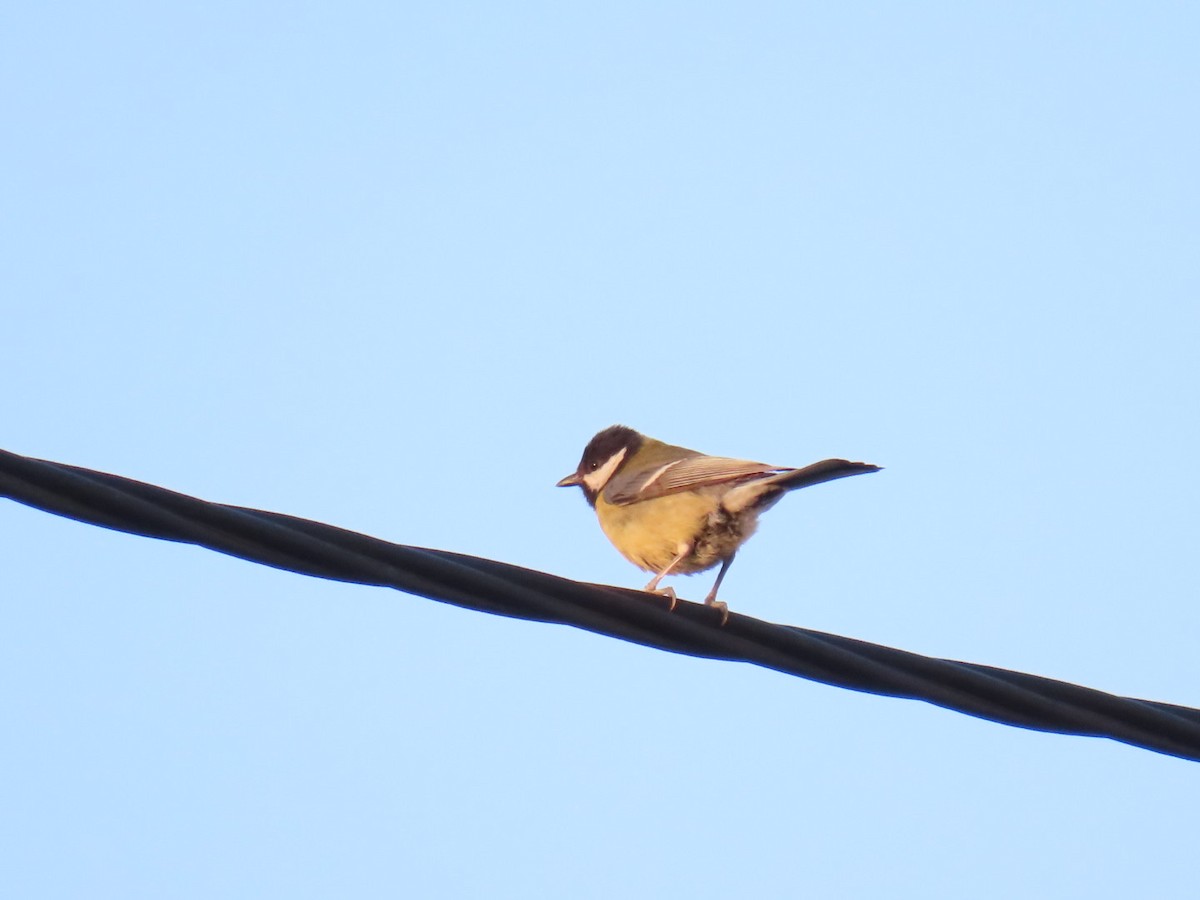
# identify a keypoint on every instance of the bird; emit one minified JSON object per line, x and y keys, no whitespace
{"x":674,"y":511}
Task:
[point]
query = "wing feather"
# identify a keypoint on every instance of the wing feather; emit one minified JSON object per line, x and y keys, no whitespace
{"x":685,"y":475}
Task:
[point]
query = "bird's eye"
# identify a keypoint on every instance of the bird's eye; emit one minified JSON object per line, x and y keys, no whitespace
{"x":593,"y":466}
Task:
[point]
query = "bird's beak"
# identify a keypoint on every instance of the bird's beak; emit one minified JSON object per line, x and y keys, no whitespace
{"x":570,"y":481}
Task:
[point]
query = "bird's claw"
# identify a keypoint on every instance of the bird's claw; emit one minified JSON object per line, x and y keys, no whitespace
{"x":720,"y":605}
{"x":667,"y":592}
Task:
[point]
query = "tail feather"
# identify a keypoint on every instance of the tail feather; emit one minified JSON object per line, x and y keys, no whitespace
{"x":818,"y":472}
{"x":763,"y":493}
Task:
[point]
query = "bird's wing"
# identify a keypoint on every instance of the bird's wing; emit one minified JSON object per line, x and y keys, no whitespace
{"x":684,"y":475}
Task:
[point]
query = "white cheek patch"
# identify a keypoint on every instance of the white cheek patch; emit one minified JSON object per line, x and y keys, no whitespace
{"x":599,"y":478}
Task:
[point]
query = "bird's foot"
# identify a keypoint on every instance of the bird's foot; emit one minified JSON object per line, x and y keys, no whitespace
{"x":667,"y":592}
{"x":719,"y":605}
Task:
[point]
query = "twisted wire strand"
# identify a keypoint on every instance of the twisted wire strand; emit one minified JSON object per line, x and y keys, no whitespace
{"x":325,"y":551}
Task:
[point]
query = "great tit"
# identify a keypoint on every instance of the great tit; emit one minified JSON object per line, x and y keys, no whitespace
{"x":670,"y":510}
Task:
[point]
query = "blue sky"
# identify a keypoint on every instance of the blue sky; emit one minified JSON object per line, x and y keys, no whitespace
{"x":390,"y":265}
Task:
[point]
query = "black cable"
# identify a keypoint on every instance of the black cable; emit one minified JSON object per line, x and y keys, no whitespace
{"x":313,"y":548}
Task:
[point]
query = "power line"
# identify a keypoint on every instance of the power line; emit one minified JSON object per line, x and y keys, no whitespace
{"x":324,"y":551}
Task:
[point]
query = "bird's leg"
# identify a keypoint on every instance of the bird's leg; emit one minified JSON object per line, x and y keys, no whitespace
{"x":669,"y":593}
{"x":711,"y":599}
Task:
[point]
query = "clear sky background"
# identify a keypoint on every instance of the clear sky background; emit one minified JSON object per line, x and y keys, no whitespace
{"x":389,"y":266}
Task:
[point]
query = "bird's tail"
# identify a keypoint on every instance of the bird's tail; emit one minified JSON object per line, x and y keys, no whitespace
{"x":825,"y":470}
{"x":763,"y":493}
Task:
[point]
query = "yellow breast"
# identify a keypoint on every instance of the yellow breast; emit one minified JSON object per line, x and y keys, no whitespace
{"x":650,"y":534}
